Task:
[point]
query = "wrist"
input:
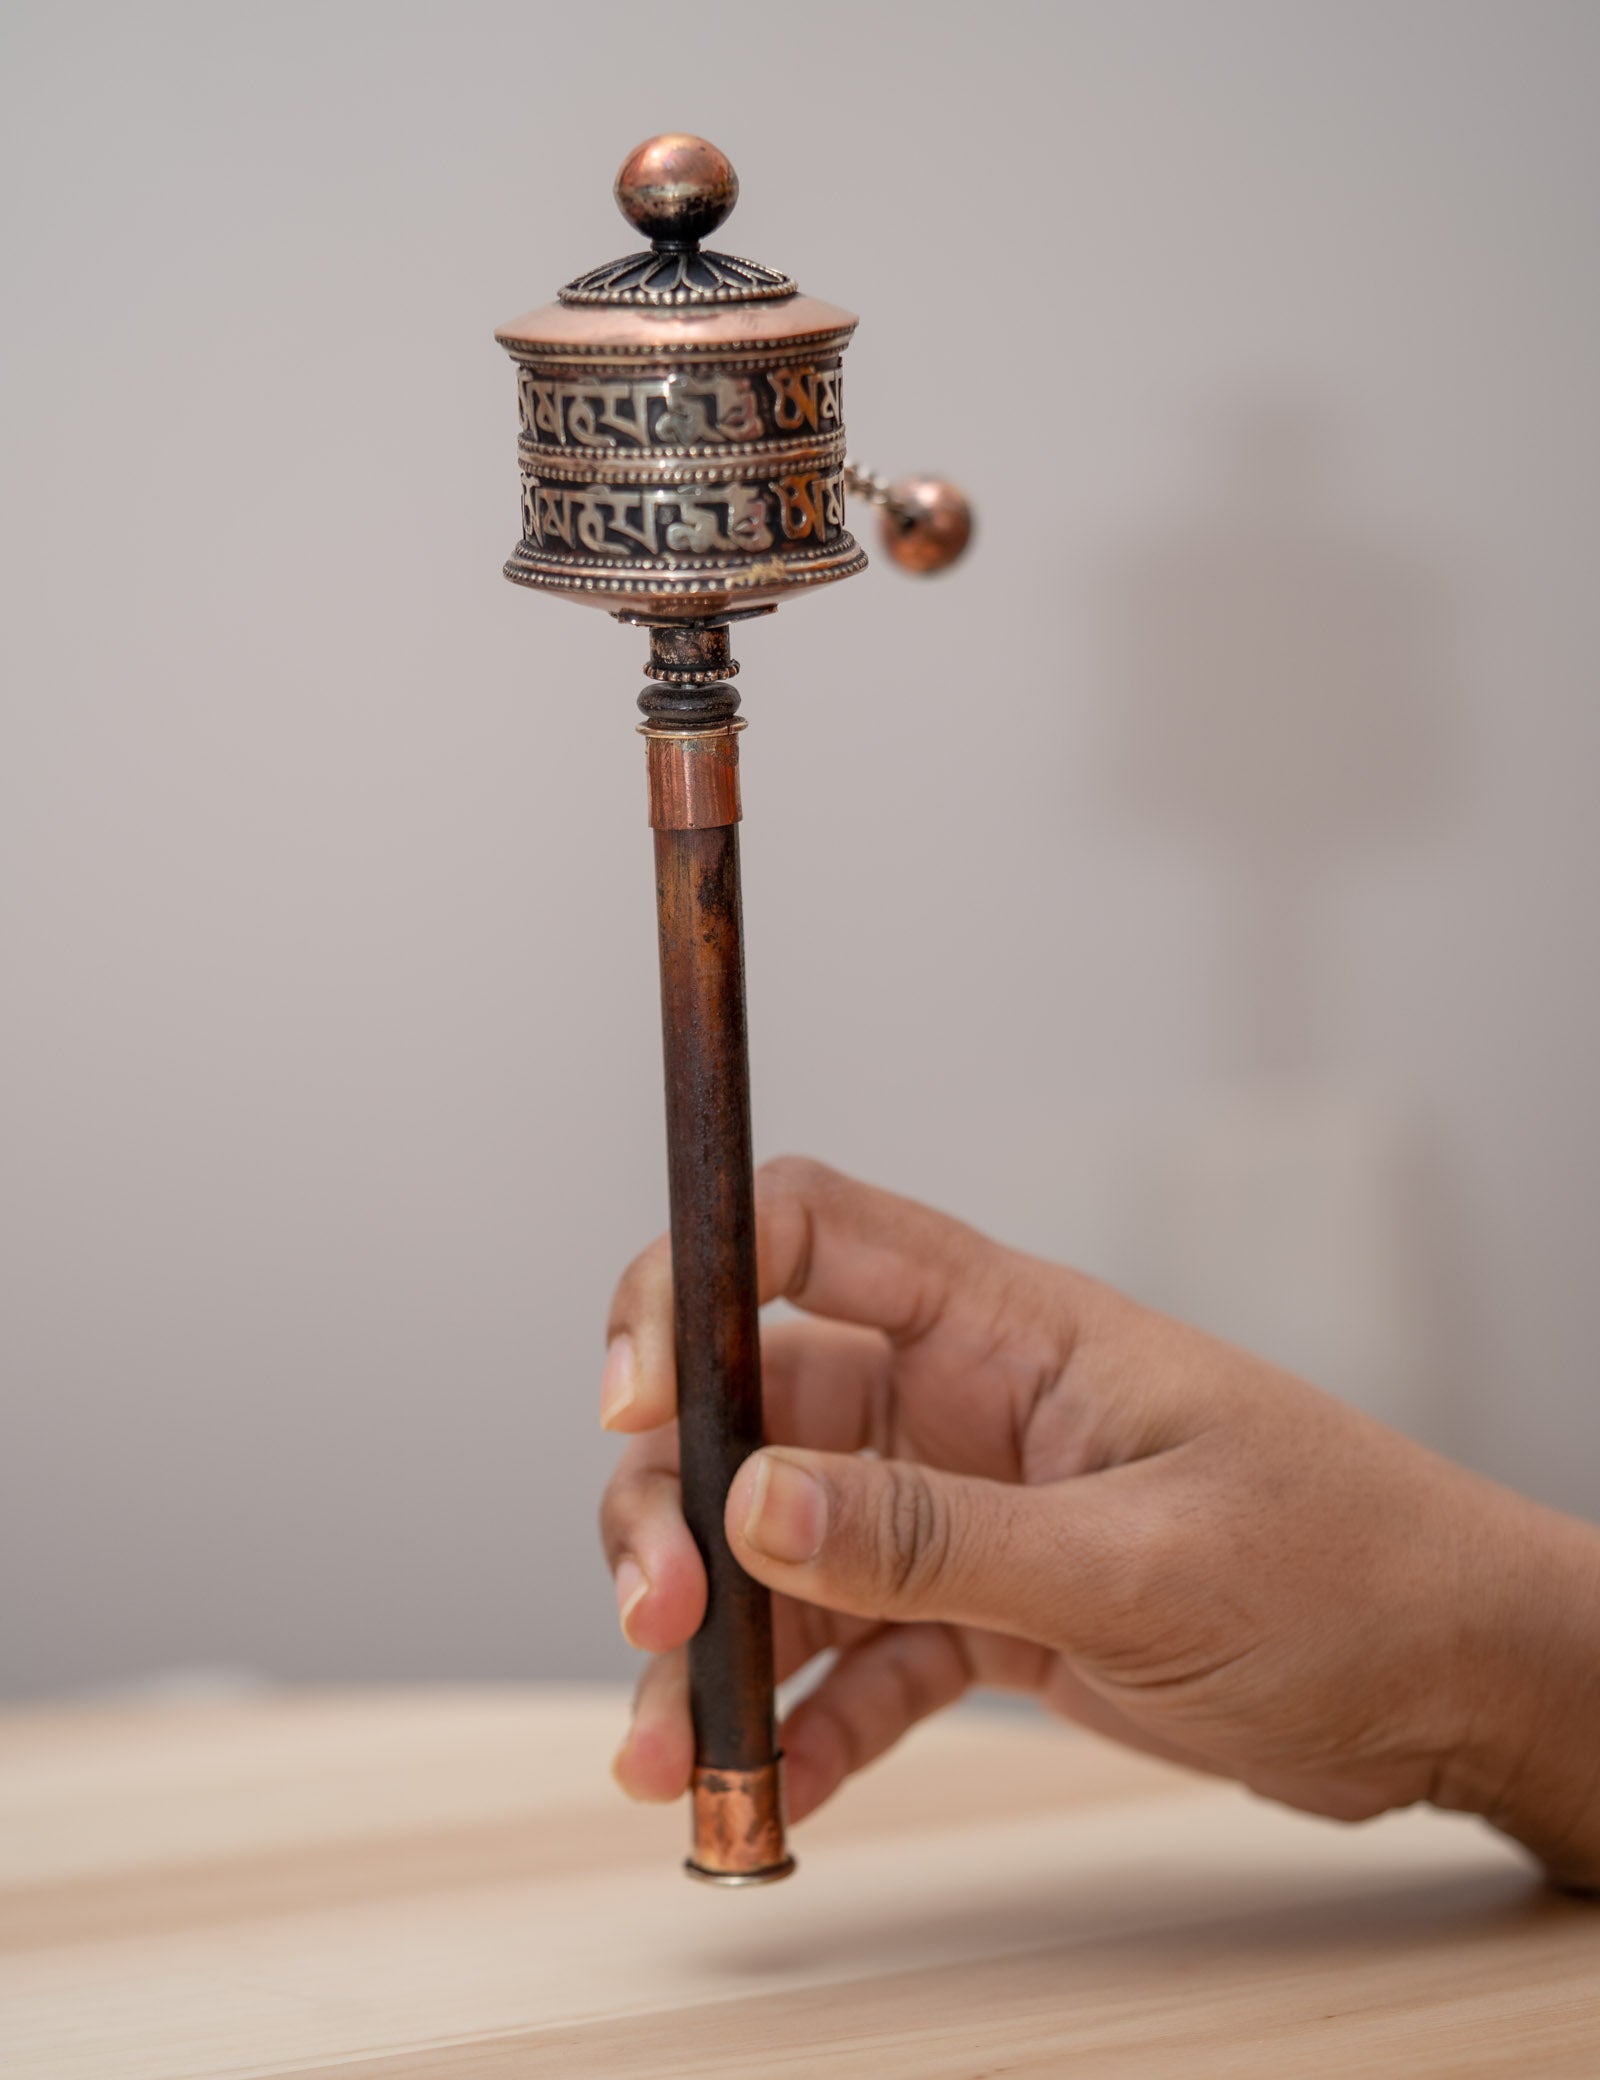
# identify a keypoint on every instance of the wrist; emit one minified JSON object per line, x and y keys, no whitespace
{"x":1530,"y":1760}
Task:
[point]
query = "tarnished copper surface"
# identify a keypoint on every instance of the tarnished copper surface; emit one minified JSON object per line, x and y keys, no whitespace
{"x":676,"y":187}
{"x":684,"y":462}
{"x":716,"y":1328}
{"x":926,"y":524}
{"x":738,"y":1825}
{"x":694,"y":776}
{"x":591,"y":331}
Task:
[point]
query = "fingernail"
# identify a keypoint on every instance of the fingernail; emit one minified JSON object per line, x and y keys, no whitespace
{"x":633,"y":1586}
{"x":619,"y":1379}
{"x":788,"y":1511}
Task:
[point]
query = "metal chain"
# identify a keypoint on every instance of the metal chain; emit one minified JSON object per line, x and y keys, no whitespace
{"x":866,"y":484}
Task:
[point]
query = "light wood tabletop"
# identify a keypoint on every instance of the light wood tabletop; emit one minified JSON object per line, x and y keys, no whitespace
{"x":365,"y":1886}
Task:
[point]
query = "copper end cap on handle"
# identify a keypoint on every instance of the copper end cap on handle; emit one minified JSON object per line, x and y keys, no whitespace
{"x":738,"y":1826}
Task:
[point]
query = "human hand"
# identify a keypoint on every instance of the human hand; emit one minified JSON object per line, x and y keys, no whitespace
{"x":989,"y":1470}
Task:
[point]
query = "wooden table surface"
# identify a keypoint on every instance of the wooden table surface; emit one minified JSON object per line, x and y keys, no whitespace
{"x":447,"y":1884}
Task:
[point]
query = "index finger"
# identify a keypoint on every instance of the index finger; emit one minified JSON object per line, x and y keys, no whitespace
{"x":848,"y":1252}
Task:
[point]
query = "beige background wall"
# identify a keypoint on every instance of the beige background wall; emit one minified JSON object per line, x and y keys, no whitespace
{"x":1208,"y":894}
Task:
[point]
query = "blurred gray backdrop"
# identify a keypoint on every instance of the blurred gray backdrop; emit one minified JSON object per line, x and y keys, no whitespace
{"x":1208,"y":896}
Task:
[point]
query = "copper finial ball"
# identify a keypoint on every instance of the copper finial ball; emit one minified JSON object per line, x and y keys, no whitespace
{"x":926,"y":524}
{"x":676,"y":189}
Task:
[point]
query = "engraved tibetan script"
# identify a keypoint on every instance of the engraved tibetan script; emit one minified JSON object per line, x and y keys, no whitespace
{"x":673,"y":411}
{"x":810,"y":505}
{"x":806,"y":397}
{"x":606,"y":520}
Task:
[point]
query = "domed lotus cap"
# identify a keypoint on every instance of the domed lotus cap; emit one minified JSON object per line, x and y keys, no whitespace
{"x":677,"y":189}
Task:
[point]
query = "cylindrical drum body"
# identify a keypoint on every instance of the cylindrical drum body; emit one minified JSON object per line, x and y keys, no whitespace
{"x":681,"y":462}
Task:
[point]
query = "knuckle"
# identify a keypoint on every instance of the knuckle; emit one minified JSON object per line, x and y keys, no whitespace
{"x":789,"y":1190}
{"x":613,"y":1520}
{"x":607,"y":1517}
{"x":801,"y":1175}
{"x":915,"y":1534}
{"x":625,"y":1500}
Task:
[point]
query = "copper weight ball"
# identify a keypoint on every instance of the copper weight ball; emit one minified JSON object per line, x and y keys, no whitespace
{"x":926,"y":524}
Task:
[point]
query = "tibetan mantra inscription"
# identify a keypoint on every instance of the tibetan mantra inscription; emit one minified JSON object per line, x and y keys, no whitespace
{"x":677,"y":411}
{"x":631,"y":476}
{"x":691,"y":519}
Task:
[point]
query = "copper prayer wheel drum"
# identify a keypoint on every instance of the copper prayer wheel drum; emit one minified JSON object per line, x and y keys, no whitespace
{"x":681,"y":442}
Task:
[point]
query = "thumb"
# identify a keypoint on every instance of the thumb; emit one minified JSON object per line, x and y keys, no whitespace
{"x":883,"y":1538}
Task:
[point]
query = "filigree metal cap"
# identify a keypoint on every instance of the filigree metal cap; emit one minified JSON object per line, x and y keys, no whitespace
{"x":676,"y":190}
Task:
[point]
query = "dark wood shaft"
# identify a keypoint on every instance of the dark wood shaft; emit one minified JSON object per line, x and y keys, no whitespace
{"x":714,"y":1274}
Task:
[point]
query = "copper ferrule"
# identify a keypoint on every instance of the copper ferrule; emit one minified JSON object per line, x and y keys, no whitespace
{"x":694,"y":776}
{"x":738,"y":1826}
